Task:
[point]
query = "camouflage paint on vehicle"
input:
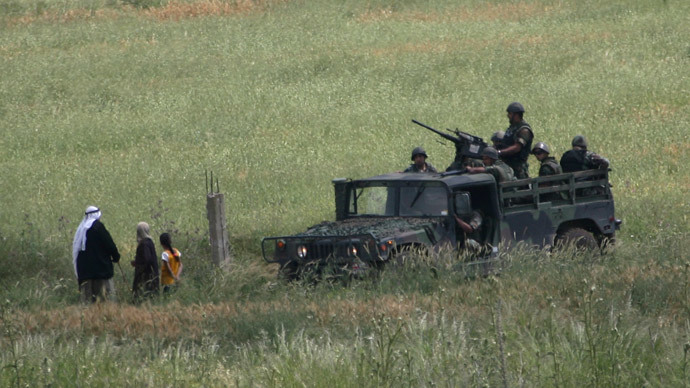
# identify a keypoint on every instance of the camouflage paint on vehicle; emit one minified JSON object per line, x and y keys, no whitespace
{"x":584,"y":200}
{"x":380,"y":216}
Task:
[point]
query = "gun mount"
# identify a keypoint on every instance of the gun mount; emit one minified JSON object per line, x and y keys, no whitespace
{"x":466,"y":145}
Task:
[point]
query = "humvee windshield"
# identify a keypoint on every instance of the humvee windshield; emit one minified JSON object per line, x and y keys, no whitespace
{"x":407,"y":200}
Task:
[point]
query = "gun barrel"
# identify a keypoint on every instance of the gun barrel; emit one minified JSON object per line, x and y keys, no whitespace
{"x":442,"y":134}
{"x":464,"y":135}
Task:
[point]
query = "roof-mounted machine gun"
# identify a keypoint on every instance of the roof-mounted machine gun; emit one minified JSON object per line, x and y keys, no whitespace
{"x":466,"y":145}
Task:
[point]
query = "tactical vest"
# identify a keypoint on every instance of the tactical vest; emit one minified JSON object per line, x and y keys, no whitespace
{"x":501,"y":171}
{"x":510,"y":138}
{"x":574,"y":160}
{"x":549,"y":166}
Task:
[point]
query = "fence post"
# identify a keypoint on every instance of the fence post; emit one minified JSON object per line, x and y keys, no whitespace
{"x":217,"y":226}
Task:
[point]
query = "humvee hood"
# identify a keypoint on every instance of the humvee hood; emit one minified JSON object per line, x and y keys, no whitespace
{"x":379,"y":227}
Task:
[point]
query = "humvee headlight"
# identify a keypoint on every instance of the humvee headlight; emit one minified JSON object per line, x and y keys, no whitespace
{"x":280,"y":244}
{"x":302,"y":251}
{"x":352,"y":250}
{"x":386,"y":245}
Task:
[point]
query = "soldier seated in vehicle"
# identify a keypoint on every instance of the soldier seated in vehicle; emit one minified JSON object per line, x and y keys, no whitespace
{"x":466,"y":162}
{"x":497,"y":139}
{"x":469,"y":223}
{"x":420,"y":164}
{"x":549,"y":166}
{"x":494,"y":166}
{"x":581,"y":159}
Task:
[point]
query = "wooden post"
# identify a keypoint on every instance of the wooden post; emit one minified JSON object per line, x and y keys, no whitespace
{"x":217,"y":227}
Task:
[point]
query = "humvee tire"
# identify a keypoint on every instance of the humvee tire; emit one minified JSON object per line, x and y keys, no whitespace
{"x":289,"y":271}
{"x":410,"y":255}
{"x":578,"y":238}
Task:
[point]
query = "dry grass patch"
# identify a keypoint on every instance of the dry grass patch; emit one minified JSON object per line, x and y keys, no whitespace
{"x":195,"y":321}
{"x":180,"y":10}
{"x":426,"y":47}
{"x":175,"y":11}
{"x":126,"y":321}
{"x":659,"y":111}
{"x":512,"y":12}
{"x":68,"y":16}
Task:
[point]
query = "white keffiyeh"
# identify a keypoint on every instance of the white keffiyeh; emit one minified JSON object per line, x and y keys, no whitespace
{"x":79,"y":244}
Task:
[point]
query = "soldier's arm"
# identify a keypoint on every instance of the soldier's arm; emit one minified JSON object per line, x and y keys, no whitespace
{"x":545,"y":170}
{"x":524,"y":136}
{"x":600,"y":161}
{"x":513,"y":149}
{"x":476,"y":220}
{"x":476,"y":170}
{"x":467,"y":228}
{"x":593,"y":161}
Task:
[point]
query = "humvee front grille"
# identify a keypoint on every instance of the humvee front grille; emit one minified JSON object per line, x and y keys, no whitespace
{"x":320,"y":248}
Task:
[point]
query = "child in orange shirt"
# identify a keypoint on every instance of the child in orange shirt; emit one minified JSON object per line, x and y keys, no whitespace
{"x":171,"y":266}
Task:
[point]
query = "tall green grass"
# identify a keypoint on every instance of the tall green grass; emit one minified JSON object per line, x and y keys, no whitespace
{"x":548,"y":320}
{"x":127,"y":107}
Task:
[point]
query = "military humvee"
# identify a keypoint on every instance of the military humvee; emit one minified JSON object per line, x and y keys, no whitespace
{"x":378,"y":219}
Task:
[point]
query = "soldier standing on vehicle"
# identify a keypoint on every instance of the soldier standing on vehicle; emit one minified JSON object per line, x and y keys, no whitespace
{"x":420,"y":164}
{"x":549,"y":165}
{"x":517,"y":141}
{"x":580,"y":159}
{"x":494,"y":166}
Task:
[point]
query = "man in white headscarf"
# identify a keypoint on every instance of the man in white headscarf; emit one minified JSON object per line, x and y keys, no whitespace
{"x":94,"y":253}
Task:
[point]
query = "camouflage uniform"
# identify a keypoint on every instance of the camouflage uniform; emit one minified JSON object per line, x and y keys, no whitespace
{"x":580,"y":160}
{"x":472,"y":241}
{"x":549,"y":166}
{"x":429,"y":168}
{"x":467,"y":162}
{"x":519,"y":133}
{"x":501,"y":171}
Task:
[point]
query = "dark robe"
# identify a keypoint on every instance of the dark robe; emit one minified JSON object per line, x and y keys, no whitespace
{"x":96,"y":261}
{"x":146,"y":278}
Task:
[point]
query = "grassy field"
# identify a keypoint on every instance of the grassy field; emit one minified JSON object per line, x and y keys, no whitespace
{"x":126,"y":105}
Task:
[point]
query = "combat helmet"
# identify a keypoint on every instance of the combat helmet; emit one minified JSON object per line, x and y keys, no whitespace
{"x":541,"y":146}
{"x":418,"y":151}
{"x":497,"y":137}
{"x":515,"y":107}
{"x":490,"y":152}
{"x":579,"y":141}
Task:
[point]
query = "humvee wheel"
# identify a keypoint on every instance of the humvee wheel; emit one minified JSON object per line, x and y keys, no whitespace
{"x":289,"y":271}
{"x":577,"y":238}
{"x":402,"y":257}
{"x":410,"y":256}
{"x":607,"y":244}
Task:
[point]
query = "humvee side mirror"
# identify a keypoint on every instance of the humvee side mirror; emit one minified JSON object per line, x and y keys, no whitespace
{"x":462,"y":204}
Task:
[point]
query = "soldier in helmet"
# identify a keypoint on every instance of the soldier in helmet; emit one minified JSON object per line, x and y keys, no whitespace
{"x":549,"y":165}
{"x":517,"y":141}
{"x":580,"y":159}
{"x":420,"y":164}
{"x":497,"y":139}
{"x":494,"y":166}
{"x":469,"y":221}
